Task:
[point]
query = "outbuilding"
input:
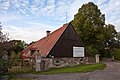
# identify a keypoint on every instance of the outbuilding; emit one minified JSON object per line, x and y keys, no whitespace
{"x":60,"y":48}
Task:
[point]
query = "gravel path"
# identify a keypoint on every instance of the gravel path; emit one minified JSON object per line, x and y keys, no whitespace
{"x":111,"y":72}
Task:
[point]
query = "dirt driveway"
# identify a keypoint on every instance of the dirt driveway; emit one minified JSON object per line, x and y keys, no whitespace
{"x":111,"y":72}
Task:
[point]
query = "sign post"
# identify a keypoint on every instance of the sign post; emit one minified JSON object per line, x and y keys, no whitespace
{"x":38,"y":60}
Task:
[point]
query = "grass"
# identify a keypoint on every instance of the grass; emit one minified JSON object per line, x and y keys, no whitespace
{"x":74,"y":69}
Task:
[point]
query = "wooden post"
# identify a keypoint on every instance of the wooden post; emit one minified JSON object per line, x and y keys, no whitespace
{"x":85,"y":60}
{"x":38,"y":60}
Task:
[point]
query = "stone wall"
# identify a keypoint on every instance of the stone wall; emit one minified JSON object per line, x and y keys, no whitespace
{"x":63,"y":62}
{"x":47,"y":63}
{"x":91,"y":60}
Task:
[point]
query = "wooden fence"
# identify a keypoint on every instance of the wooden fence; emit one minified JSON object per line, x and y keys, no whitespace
{"x":14,"y":65}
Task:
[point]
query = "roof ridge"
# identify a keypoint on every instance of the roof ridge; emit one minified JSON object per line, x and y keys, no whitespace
{"x":58,"y":29}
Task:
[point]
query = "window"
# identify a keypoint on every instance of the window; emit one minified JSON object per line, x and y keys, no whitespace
{"x":78,"y":51}
{"x":57,"y":61}
{"x":32,"y":52}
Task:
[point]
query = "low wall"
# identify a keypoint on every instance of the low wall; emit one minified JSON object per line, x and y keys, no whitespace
{"x":63,"y":62}
{"x":91,"y":60}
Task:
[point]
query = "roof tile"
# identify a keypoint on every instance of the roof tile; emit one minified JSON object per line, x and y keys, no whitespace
{"x":45,"y":44}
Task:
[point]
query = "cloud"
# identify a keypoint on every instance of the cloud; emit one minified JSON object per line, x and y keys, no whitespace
{"x":29,"y":19}
{"x":24,"y":28}
{"x":112,"y":11}
{"x":28,"y":34}
{"x":107,"y":7}
{"x":4,"y":5}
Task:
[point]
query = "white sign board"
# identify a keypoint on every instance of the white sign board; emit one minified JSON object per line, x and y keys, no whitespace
{"x":78,"y":51}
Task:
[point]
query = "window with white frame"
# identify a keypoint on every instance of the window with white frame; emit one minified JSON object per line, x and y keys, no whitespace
{"x":78,"y":51}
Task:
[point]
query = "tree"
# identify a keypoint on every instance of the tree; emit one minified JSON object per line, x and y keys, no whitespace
{"x":110,"y":38}
{"x":117,"y":54}
{"x":3,"y":53}
{"x":17,"y":45}
{"x":118,"y":36}
{"x":89,"y":23}
{"x":3,"y":38}
{"x":13,"y":46}
{"x":118,"y":39}
{"x":110,"y":34}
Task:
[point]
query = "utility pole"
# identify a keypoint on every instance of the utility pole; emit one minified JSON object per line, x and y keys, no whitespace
{"x":66,"y":17}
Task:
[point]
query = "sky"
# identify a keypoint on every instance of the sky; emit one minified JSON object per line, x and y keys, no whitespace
{"x":29,"y":20}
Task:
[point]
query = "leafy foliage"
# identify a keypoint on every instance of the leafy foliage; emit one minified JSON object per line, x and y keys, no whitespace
{"x":17,"y":45}
{"x":3,"y":53}
{"x":8,"y":49}
{"x":89,"y":23}
{"x":117,"y":54}
{"x":118,"y":40}
{"x":3,"y":38}
{"x":3,"y":66}
{"x":110,"y":34}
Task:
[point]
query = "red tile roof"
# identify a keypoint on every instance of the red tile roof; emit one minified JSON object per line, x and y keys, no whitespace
{"x":45,"y":44}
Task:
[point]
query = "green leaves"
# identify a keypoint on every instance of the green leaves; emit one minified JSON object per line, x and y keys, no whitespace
{"x":117,"y":54}
{"x":89,"y":23}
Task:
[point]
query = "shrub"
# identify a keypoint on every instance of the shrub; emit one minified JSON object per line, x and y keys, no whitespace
{"x":117,"y":54}
{"x":3,"y":67}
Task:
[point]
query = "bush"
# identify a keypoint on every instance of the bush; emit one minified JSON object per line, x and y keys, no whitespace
{"x":3,"y":67}
{"x":105,"y":53}
{"x":117,"y":54}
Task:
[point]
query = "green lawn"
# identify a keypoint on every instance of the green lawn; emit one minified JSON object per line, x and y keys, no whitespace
{"x":74,"y":69}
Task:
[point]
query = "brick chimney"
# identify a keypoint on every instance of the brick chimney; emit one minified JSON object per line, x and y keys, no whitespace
{"x":47,"y":33}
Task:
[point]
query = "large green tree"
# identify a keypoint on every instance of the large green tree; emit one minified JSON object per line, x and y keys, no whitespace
{"x":89,"y":23}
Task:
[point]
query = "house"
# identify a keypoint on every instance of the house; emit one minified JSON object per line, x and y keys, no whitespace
{"x":60,"y":48}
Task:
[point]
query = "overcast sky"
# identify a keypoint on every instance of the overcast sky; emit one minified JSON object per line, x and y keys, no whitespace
{"x":28,"y":20}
